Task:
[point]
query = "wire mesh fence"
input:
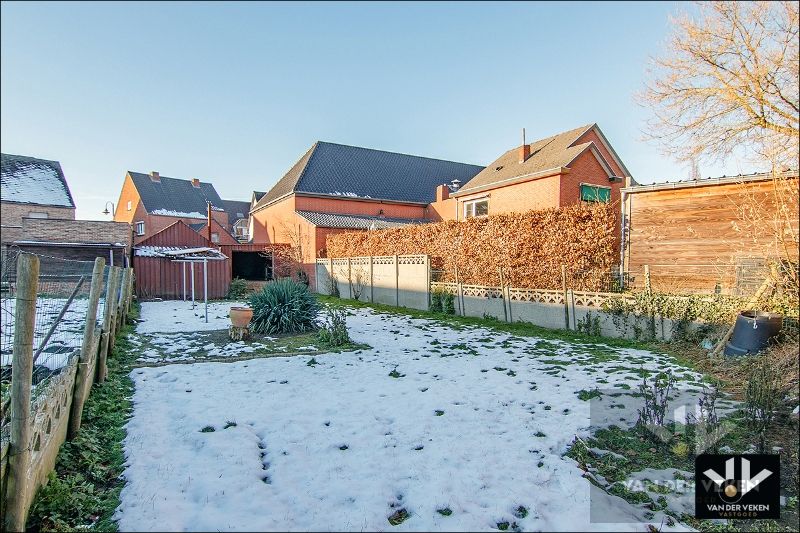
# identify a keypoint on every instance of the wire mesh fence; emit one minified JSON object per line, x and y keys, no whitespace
{"x":60,"y":317}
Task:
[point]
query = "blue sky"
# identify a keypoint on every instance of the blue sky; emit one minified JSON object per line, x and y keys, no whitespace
{"x":235,"y":93}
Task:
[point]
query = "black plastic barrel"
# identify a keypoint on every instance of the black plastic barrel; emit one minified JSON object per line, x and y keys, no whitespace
{"x":752,"y":332}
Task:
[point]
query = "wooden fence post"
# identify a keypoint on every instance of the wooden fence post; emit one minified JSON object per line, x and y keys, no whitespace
{"x":371,"y":282}
{"x":564,"y":289}
{"x":112,"y":302}
{"x":102,"y":369}
{"x":19,"y":452}
{"x":83,"y":380}
{"x":121,"y":298}
{"x":396,"y":281}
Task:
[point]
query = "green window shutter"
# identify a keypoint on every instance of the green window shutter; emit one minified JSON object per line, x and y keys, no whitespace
{"x":594,"y":193}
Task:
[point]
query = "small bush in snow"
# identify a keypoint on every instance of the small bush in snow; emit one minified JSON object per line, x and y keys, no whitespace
{"x":283,"y":306}
{"x":334,"y":330}
{"x":238,"y":289}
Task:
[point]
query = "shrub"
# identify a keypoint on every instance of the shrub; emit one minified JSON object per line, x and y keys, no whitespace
{"x":333,"y":286}
{"x":238,"y":289}
{"x":763,"y":396}
{"x":302,"y":277}
{"x":656,"y":398}
{"x":436,"y":302}
{"x":448,"y":303}
{"x":283,"y":306}
{"x":334,"y":330}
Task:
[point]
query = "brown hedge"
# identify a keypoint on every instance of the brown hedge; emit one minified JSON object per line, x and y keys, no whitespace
{"x":530,"y":246}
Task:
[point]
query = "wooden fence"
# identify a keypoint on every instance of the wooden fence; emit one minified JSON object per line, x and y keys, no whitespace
{"x":38,"y":427}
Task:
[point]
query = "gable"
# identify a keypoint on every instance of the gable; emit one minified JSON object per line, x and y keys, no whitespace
{"x":177,"y":234}
{"x":28,"y":180}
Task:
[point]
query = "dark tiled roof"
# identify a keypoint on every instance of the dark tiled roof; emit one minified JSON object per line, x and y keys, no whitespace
{"x":551,"y":152}
{"x":257,"y":195}
{"x":236,"y":210}
{"x":175,"y":197}
{"x":198,"y":226}
{"x":29,"y":180}
{"x":353,"y":172}
{"x":330,"y":220}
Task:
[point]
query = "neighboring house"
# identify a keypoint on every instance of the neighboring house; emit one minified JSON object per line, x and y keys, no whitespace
{"x":38,"y":216}
{"x":710,"y":234}
{"x":360,"y":186}
{"x":151,"y":202}
{"x":31,"y":188}
{"x":238,"y":218}
{"x":219,"y":234}
{"x":578,"y":165}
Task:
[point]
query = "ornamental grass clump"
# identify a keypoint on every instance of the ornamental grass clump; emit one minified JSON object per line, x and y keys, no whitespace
{"x":283,"y":306}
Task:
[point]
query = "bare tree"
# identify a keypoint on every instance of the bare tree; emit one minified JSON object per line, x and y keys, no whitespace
{"x":288,"y":257}
{"x":729,"y":79}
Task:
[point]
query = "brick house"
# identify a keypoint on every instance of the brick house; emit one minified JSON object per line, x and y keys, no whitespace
{"x":238,"y":218}
{"x":335,"y":188}
{"x":31,"y":188}
{"x":574,"y":166}
{"x":38,"y":215}
{"x":151,"y":202}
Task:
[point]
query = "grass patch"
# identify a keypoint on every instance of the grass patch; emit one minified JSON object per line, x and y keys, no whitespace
{"x":84,"y":489}
{"x":586,"y":395}
{"x":445,"y":512}
{"x":398,"y":517}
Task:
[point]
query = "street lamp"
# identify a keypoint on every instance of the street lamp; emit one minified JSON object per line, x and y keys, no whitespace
{"x":113,"y":211}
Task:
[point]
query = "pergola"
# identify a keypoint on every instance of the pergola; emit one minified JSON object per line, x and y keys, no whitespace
{"x":191,"y":255}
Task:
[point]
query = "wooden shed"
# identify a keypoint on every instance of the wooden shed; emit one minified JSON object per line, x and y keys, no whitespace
{"x":710,"y":235}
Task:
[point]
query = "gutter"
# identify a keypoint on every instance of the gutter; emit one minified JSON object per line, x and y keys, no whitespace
{"x":725,"y":180}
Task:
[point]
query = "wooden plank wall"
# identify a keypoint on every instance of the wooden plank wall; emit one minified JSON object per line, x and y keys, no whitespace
{"x":694,"y":237}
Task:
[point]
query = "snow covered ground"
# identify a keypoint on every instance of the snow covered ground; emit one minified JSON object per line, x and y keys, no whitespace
{"x":432,"y":419}
{"x":177,"y":315}
{"x":67,"y":336}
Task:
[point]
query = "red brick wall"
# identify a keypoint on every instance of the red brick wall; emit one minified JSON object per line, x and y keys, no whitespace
{"x":359,"y":207}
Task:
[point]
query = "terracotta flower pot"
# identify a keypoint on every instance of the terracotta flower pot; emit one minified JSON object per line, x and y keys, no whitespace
{"x":241,"y":316}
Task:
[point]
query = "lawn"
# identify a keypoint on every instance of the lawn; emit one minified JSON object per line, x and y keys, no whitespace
{"x":437,"y":426}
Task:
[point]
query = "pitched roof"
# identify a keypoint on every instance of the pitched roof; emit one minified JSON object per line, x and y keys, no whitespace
{"x":330,"y":220}
{"x":546,"y":154}
{"x":236,"y":210}
{"x":28,"y":180}
{"x":352,"y":172}
{"x":175,"y":197}
{"x":257,"y":195}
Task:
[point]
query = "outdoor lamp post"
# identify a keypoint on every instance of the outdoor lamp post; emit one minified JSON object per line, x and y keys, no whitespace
{"x":113,"y":209}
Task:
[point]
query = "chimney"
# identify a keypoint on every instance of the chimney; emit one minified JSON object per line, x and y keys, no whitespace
{"x":442,"y":192}
{"x":525,"y":149}
{"x":196,"y":182}
{"x":155,"y":176}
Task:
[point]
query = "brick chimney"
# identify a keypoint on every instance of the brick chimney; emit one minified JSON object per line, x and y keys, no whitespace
{"x":155,"y":176}
{"x":525,"y":149}
{"x":442,"y":192}
{"x":196,"y":182}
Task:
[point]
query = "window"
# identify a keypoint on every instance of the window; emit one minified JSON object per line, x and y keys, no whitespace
{"x":140,"y":228}
{"x":595,"y":193}
{"x":130,"y":205}
{"x":476,"y":208}
{"x":215,"y":237}
{"x":37,"y":214}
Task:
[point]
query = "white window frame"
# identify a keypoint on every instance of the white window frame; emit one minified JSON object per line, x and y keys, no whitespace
{"x":215,"y":237}
{"x":469,"y":207}
{"x":130,"y":205}
{"x":137,"y":226}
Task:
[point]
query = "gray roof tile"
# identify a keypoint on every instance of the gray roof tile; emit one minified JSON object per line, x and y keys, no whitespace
{"x":330,"y":220}
{"x":173,"y":196}
{"x":29,"y":180}
{"x":353,"y":172}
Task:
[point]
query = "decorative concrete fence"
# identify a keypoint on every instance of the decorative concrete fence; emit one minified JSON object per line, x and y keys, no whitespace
{"x":399,"y":280}
{"x":554,"y":309}
{"x":39,"y":415}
